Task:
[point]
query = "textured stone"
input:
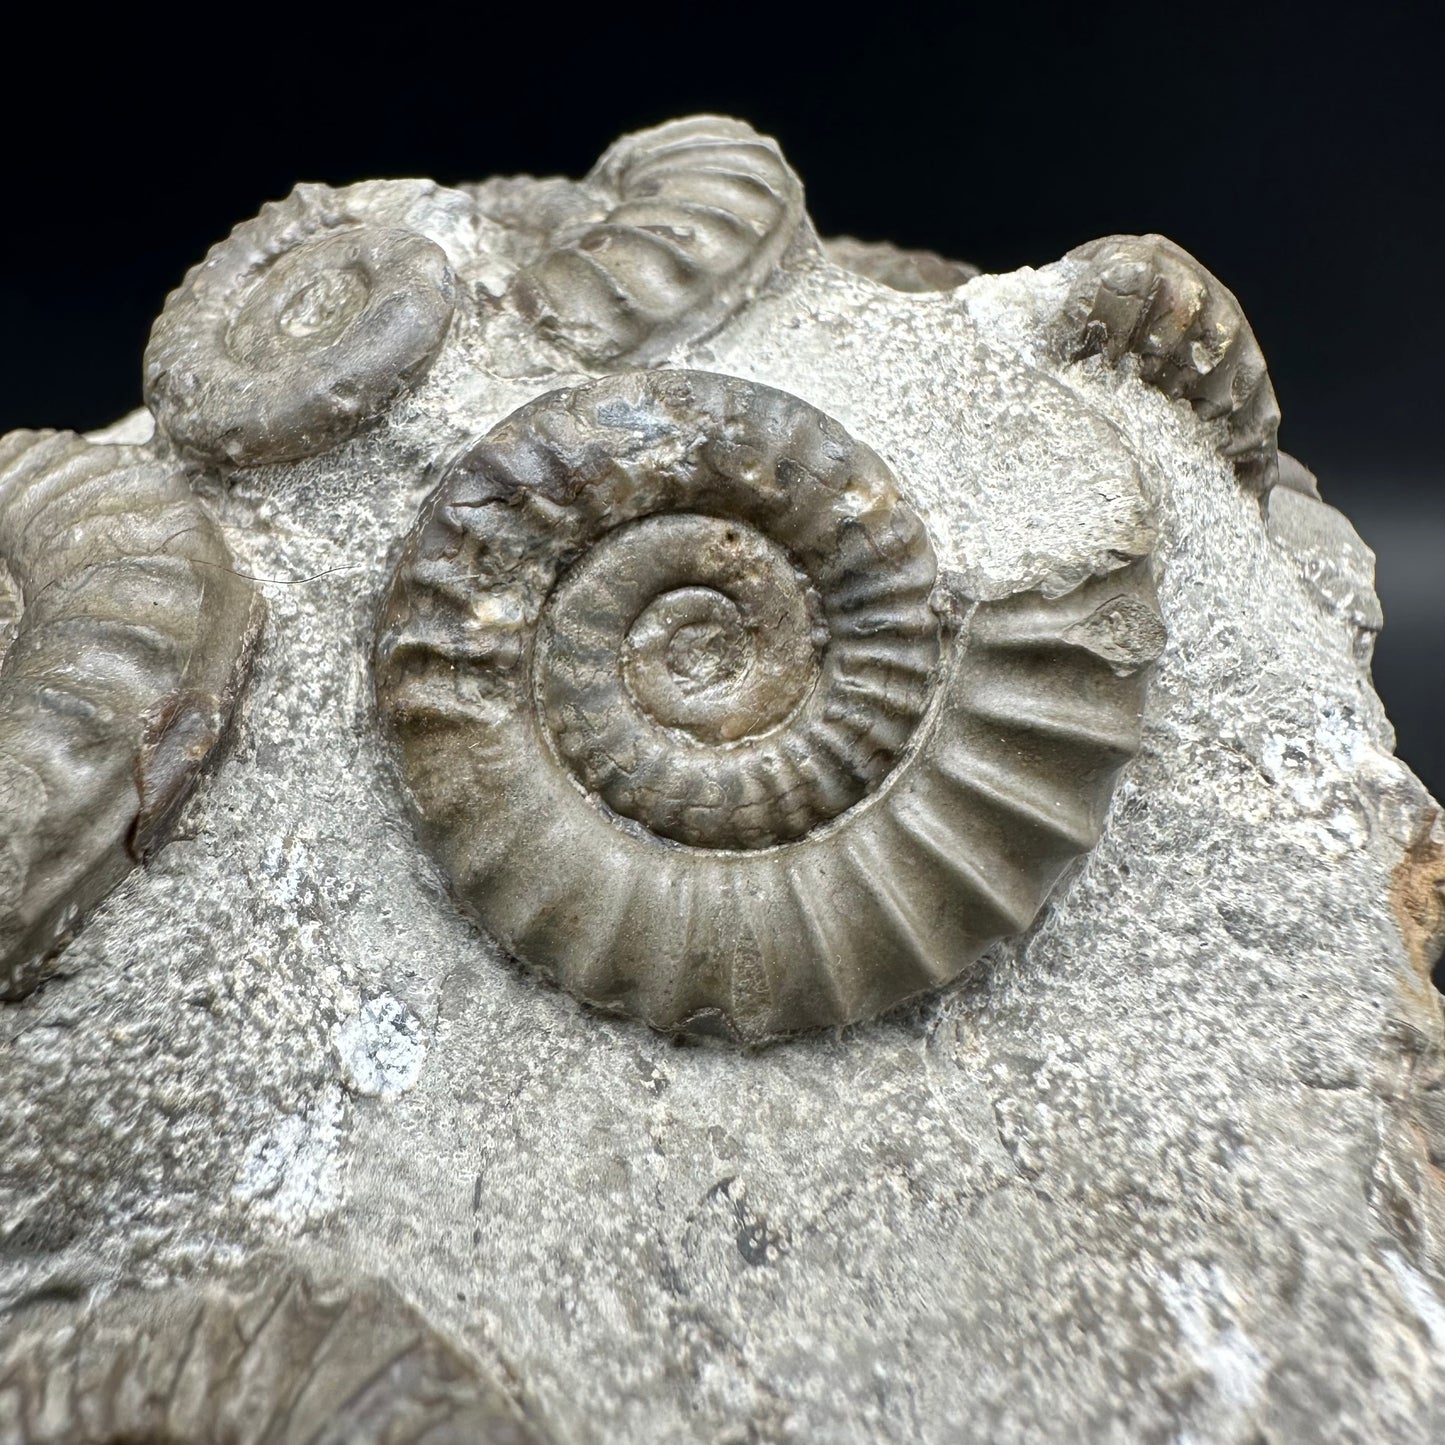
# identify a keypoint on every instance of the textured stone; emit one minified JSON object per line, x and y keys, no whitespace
{"x":264,"y":1357}
{"x":1333,"y":562}
{"x":1168,"y":1170}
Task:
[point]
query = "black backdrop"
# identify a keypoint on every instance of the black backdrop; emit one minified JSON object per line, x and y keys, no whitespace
{"x":1300,"y":157}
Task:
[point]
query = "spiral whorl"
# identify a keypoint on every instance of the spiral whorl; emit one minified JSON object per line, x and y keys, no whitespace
{"x":131,"y":646}
{"x":699,"y":212}
{"x":1144,"y":296}
{"x":296,"y":330}
{"x":665,"y":662}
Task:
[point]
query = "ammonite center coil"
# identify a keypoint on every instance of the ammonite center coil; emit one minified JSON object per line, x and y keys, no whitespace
{"x":666,"y":661}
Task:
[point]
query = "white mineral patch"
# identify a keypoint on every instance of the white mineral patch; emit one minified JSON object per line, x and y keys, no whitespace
{"x":1420,"y":1296}
{"x":381,"y":1048}
{"x":1202,"y":1304}
{"x":294,"y":1172}
{"x":136,"y":428}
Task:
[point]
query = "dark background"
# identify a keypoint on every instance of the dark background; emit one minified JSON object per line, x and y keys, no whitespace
{"x":1299,"y":157}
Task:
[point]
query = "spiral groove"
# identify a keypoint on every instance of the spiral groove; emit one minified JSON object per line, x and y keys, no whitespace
{"x":675,"y":706}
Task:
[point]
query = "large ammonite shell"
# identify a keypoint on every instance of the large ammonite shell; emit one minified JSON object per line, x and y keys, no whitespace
{"x":700,"y":213}
{"x":687,"y":722}
{"x":301,"y":326}
{"x":266,"y":1358}
{"x":131,"y":646}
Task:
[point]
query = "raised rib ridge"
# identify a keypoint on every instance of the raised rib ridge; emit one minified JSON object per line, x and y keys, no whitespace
{"x":1018,"y":797}
{"x":1005,"y":905}
{"x":701,"y":212}
{"x":133,"y":623}
{"x":1072,"y":719}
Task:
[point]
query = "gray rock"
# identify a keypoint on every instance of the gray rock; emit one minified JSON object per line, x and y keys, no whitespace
{"x":1167,"y":1168}
{"x":1334,"y":563}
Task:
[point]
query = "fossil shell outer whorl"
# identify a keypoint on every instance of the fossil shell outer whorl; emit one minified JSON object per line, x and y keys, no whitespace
{"x":685,"y":731}
{"x":701,"y":211}
{"x":1146,"y":297}
{"x":268,"y":1358}
{"x":132,"y":644}
{"x":297,"y":329}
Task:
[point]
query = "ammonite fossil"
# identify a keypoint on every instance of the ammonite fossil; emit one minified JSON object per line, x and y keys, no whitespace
{"x":696,"y":727}
{"x":700,"y":212}
{"x":297,"y":329}
{"x":1146,"y":297}
{"x":269,"y":1357}
{"x":131,"y":645}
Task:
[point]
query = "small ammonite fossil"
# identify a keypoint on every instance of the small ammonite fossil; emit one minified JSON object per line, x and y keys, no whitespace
{"x":132,"y":643}
{"x":1146,"y":297}
{"x":296,"y":330}
{"x":688,"y":718}
{"x":699,"y":213}
{"x":265,"y":1357}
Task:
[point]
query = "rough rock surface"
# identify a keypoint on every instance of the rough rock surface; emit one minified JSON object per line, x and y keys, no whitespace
{"x":1170,"y":1173}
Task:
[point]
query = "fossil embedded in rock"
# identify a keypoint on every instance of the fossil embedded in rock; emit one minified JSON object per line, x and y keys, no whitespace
{"x":897,"y":268}
{"x":705,"y":716}
{"x":297,"y":329}
{"x":1146,"y":297}
{"x":266,"y":1357}
{"x":132,"y":642}
{"x":699,"y":212}
{"x":686,"y":720}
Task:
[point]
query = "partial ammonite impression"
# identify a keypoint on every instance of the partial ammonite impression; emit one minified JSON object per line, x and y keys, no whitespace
{"x":132,"y":642}
{"x":268,"y":1357}
{"x":688,"y":717}
{"x":897,"y":268}
{"x":1146,"y":297}
{"x":700,"y":212}
{"x":301,"y":326}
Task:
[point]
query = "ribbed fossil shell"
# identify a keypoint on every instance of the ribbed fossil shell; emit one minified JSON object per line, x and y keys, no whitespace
{"x":686,"y":722}
{"x":131,"y":646}
{"x":1146,"y":297}
{"x":699,"y":213}
{"x":267,"y":1358}
{"x":296,"y":330}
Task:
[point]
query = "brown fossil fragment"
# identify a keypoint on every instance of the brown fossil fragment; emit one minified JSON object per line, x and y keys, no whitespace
{"x":896,"y":267}
{"x":269,"y":1357}
{"x":1146,"y":297}
{"x":677,"y":706}
{"x":1417,"y":896}
{"x":300,"y":327}
{"x":698,"y":213}
{"x":132,"y":644}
